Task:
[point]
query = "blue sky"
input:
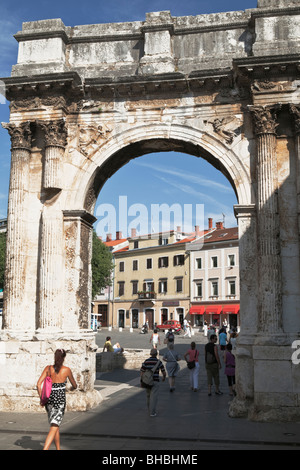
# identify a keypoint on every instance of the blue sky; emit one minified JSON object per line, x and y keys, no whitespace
{"x":162,"y":178}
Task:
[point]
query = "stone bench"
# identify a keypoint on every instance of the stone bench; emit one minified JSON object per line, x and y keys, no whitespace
{"x":129,"y":359}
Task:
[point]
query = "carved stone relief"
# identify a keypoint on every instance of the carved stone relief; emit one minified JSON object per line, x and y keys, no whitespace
{"x":91,"y":137}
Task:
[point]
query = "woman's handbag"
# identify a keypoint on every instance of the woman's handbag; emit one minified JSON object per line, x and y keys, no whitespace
{"x":46,"y":389}
{"x":192,"y":364}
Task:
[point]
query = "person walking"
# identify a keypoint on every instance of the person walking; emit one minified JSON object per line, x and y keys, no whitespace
{"x":222,"y":339}
{"x":155,"y":339}
{"x":56,"y":404}
{"x":172,"y":357}
{"x":188,"y":330}
{"x":193,"y":356}
{"x":152,"y":392}
{"x":169,"y":338}
{"x":210,"y":331}
{"x":212,"y":365}
{"x":233,"y":338}
{"x":230,"y":369}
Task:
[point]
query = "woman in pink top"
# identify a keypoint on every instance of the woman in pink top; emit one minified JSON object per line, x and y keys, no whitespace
{"x":230,"y":368}
{"x":193,"y":355}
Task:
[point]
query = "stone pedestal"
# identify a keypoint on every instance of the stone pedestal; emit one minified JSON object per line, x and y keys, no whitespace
{"x":24,"y":360}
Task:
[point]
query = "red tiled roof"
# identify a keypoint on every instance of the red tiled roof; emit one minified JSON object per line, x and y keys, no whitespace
{"x":220,"y":235}
{"x":184,"y":240}
{"x":115,"y":242}
{"x":126,"y":248}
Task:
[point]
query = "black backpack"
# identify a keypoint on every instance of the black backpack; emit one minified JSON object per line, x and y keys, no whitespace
{"x":170,"y":336}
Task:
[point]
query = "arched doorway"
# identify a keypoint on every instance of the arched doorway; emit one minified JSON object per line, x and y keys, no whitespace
{"x":77,"y":118}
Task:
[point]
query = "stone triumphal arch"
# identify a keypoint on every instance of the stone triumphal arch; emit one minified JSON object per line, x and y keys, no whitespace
{"x":87,"y":99}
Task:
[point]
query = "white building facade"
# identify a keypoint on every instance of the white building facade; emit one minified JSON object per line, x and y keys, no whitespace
{"x":214,"y":278}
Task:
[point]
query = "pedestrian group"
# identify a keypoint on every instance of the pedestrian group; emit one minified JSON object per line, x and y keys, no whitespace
{"x":51,"y":385}
{"x":171,"y":358}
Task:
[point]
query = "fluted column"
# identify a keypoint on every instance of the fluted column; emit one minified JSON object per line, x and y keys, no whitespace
{"x":16,"y":251}
{"x":295,"y":111}
{"x":269,"y":265}
{"x":55,"y":142}
{"x":51,"y":272}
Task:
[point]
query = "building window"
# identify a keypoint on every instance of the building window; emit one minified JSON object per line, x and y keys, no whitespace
{"x":122,"y":266}
{"x":231,"y":260}
{"x":232,"y":287}
{"x":163,"y":286}
{"x":121,"y":318}
{"x":148,"y":286}
{"x":163,"y":262}
{"x":179,"y":285}
{"x":214,"y":261}
{"x":121,"y":288}
{"x":215,"y":288}
{"x":199,"y":263}
{"x":135,"y":265}
{"x":164,"y":314}
{"x":163,"y":241}
{"x":199,"y":289}
{"x":149,"y":263}
{"x":135,"y":244}
{"x":135,"y":287}
{"x":178,"y":260}
{"x":135,"y":318}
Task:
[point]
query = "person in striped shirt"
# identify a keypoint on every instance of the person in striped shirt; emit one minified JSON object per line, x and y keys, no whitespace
{"x":152,"y":393}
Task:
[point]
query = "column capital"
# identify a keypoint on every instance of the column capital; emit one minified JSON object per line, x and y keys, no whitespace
{"x":242,"y":210}
{"x":81,"y":215}
{"x":295,"y":111}
{"x":264,"y":118}
{"x":20,"y":135}
{"x":55,"y":132}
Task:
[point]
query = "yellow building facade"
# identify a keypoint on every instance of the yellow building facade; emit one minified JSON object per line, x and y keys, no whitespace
{"x":151,"y":281}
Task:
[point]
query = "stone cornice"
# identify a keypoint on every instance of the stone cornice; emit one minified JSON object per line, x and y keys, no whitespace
{"x":271,"y":12}
{"x":250,"y":67}
{"x":26,"y":86}
{"x":273,"y":65}
{"x":32,"y":36}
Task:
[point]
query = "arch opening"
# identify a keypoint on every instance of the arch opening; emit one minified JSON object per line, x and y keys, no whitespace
{"x":120,"y":157}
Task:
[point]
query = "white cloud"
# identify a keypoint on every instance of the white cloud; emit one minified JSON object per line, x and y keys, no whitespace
{"x":200,"y":196}
{"x":187,"y":176}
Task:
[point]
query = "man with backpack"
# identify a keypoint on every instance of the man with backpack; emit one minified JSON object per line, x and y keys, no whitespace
{"x":150,"y":380}
{"x":170,"y":338}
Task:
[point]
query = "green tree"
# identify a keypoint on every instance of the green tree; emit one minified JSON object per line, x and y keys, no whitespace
{"x":2,"y":258}
{"x":102,"y":265}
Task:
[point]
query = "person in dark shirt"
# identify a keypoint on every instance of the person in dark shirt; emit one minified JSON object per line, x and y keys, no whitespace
{"x":152,"y":393}
{"x":212,"y":364}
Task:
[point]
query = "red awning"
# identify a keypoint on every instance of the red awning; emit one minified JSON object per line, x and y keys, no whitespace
{"x":231,"y":309}
{"x":197,"y":310}
{"x":214,"y":309}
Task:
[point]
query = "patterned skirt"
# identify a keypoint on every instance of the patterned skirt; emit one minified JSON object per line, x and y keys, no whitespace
{"x":56,"y":404}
